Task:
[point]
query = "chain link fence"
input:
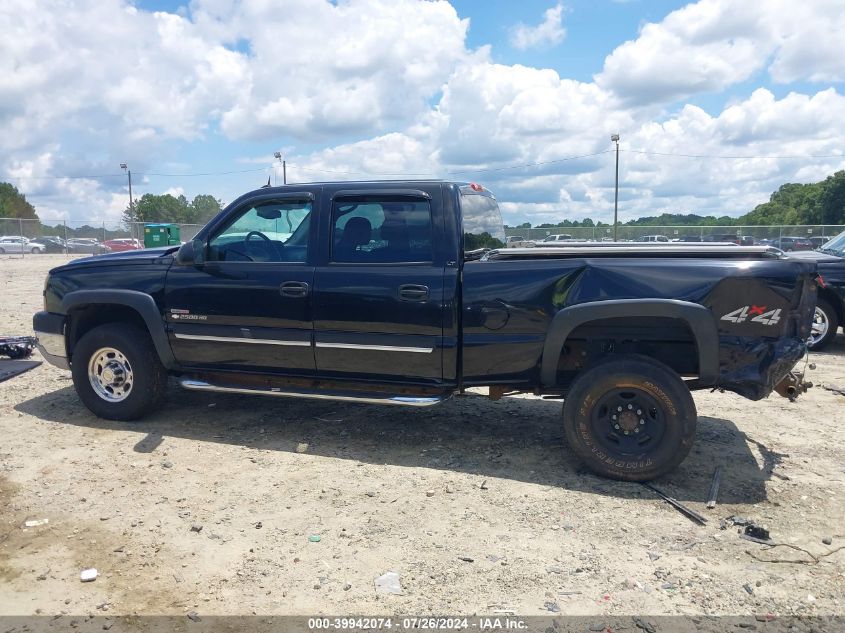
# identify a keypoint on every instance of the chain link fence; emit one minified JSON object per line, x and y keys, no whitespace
{"x":76,"y":237}
{"x":95,"y":237}
{"x":747,"y":234}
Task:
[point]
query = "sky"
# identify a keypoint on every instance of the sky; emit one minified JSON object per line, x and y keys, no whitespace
{"x":717,"y":102}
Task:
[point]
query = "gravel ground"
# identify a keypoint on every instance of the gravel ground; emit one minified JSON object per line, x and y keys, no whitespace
{"x":214,"y":504}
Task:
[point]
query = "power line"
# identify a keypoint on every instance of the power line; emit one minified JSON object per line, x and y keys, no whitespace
{"x":210,"y":173}
{"x":799,"y":156}
{"x":522,"y":166}
{"x":351,"y":173}
{"x":95,"y":177}
{"x":429,"y":174}
{"x":101,"y":176}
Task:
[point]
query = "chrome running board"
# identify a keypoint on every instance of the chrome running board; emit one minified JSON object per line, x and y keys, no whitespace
{"x":365,"y":397}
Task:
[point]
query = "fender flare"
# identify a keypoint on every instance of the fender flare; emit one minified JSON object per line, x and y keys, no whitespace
{"x":696,"y":316}
{"x":141,"y":302}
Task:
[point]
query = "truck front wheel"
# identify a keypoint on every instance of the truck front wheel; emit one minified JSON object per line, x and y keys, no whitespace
{"x":117,"y":373}
{"x":630,"y":417}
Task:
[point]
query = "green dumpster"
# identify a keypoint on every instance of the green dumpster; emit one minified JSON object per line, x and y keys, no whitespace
{"x":161,"y":235}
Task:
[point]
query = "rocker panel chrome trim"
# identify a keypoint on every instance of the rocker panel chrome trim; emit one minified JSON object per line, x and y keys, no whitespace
{"x":343,"y":396}
{"x":378,"y":348}
{"x":233,"y":339}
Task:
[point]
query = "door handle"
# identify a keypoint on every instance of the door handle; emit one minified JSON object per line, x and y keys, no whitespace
{"x":413,"y":292}
{"x":294,"y":289}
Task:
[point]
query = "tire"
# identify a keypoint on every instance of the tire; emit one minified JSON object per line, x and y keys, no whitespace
{"x":35,"y":251}
{"x":625,"y":444}
{"x":117,"y":373}
{"x":2,"y":251}
{"x":825,"y":325}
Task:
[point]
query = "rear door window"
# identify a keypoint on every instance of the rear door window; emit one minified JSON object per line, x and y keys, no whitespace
{"x":381,"y":230}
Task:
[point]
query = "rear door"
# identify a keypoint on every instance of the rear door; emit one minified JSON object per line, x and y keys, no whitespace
{"x":378,"y":301}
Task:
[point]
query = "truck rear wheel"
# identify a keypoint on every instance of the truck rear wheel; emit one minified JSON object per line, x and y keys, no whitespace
{"x":630,"y":417}
{"x":117,"y":373}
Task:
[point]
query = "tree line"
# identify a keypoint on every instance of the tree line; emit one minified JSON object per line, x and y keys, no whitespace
{"x":793,"y":203}
{"x":173,"y":209}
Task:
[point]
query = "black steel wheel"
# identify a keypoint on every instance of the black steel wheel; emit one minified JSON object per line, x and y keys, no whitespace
{"x":630,"y":417}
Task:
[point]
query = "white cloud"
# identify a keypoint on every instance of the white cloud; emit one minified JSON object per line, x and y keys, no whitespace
{"x":709,"y":45}
{"x":376,"y":88}
{"x":548,"y":33}
{"x":321,"y":69}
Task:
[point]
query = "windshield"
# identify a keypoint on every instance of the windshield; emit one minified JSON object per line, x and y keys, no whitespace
{"x":836,"y":246}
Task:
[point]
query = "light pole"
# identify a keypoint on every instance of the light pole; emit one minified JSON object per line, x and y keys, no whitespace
{"x":615,"y":139}
{"x":284,"y":167}
{"x":128,"y":171}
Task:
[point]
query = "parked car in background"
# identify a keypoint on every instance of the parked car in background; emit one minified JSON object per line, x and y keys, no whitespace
{"x":52,"y":244}
{"x":820,"y":240}
{"x":517,"y":241}
{"x":88,"y":245}
{"x":724,"y":238}
{"x":791,"y":243}
{"x":123,"y":244}
{"x":19,"y":244}
{"x":551,"y":240}
{"x":689,"y":238}
{"x":830,"y":299}
{"x":652,"y":238}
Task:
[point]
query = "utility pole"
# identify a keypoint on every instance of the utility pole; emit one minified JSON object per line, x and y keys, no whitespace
{"x":131,"y":204}
{"x":284,"y":167}
{"x":128,"y":171}
{"x":615,"y":138}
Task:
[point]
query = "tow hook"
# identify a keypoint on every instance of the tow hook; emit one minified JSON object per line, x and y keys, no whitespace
{"x":792,"y":386}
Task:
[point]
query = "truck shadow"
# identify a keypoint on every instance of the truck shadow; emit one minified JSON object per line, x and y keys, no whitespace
{"x":514,"y":438}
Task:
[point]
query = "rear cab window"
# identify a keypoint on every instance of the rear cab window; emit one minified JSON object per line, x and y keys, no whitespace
{"x":483,"y":228}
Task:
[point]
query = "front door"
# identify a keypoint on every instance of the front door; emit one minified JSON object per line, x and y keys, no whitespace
{"x":248,"y":306}
{"x":378,"y":302}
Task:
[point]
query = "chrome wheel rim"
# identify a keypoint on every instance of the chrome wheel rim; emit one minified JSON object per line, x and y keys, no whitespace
{"x":820,"y":326}
{"x":110,"y":374}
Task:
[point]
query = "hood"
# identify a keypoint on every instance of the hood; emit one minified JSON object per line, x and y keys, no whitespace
{"x":142,"y":256}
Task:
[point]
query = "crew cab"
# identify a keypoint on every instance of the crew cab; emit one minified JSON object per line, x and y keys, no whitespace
{"x":401,"y":293}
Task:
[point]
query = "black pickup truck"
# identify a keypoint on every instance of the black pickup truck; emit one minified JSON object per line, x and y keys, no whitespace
{"x":402,"y":293}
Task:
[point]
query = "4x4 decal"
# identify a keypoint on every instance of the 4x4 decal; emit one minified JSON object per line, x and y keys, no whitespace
{"x":757,"y":314}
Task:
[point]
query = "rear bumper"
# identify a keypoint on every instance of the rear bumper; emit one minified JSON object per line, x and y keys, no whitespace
{"x":50,"y":331}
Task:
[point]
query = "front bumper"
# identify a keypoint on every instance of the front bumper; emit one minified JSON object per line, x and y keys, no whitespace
{"x":50,"y":330}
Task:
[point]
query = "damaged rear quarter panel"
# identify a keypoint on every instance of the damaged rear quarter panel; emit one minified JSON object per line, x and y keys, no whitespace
{"x":525,"y":295}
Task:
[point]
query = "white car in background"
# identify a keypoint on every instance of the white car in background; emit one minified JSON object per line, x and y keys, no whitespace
{"x":653,"y":238}
{"x":517,"y":241}
{"x":554,"y":240}
{"x":19,"y":244}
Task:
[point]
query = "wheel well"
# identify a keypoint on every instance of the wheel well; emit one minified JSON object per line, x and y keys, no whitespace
{"x":83,"y":319}
{"x":833,"y":299}
{"x":666,"y":339}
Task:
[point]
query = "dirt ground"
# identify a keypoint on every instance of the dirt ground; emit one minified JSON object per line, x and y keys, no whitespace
{"x":214,"y":504}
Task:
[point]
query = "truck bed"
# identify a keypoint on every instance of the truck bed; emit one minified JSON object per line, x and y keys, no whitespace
{"x":597,"y":249}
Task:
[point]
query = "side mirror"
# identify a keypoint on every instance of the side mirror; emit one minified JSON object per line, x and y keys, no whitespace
{"x":191,"y":253}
